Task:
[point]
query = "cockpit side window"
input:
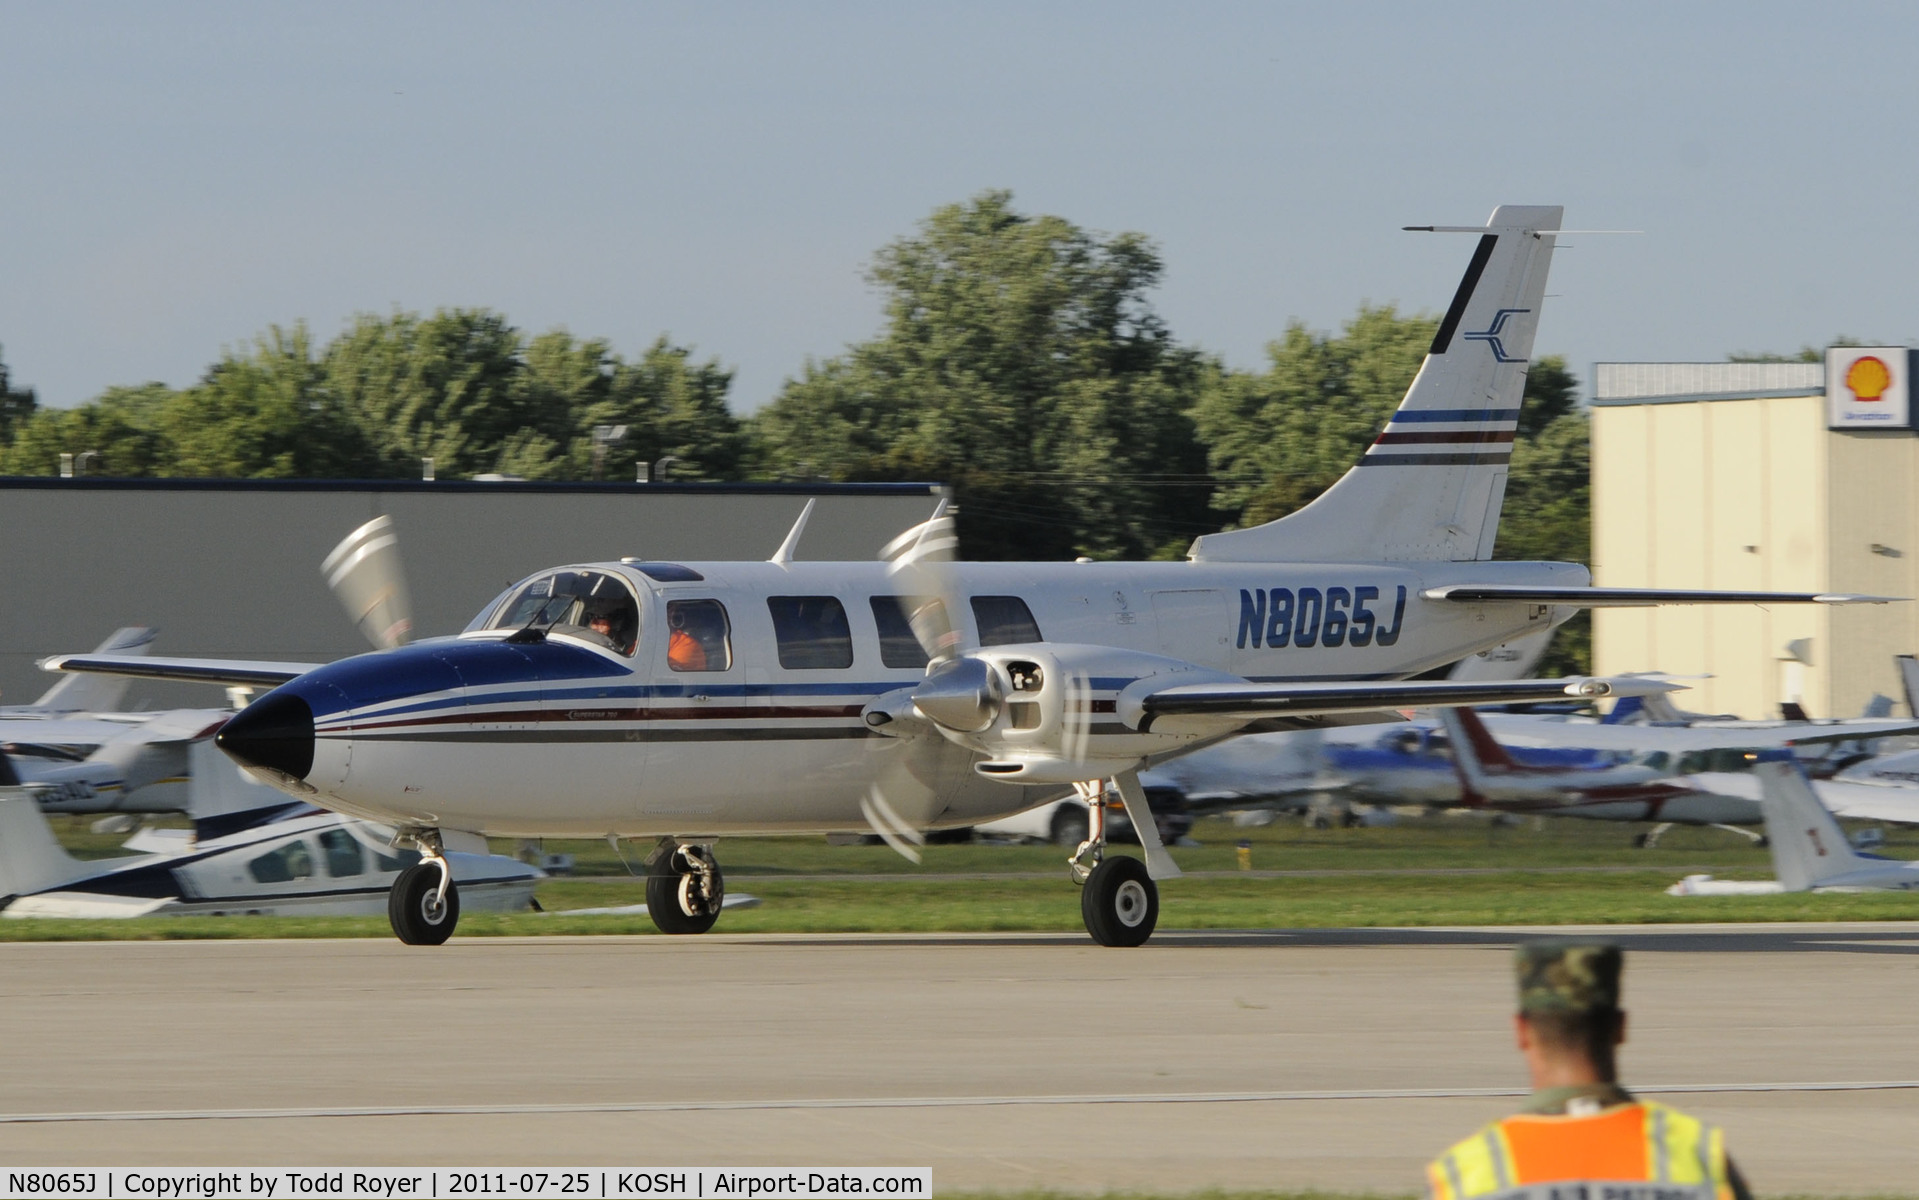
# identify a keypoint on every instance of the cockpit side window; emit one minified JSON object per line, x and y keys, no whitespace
{"x":284,"y":864}
{"x":591,"y":606}
{"x":699,"y":637}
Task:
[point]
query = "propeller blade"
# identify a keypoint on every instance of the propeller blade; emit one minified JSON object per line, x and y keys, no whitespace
{"x":904,"y":798}
{"x":920,"y":560}
{"x":364,"y":572}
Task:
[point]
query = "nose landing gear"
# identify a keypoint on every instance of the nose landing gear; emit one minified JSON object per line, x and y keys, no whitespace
{"x":424,"y":906}
{"x":684,"y":887}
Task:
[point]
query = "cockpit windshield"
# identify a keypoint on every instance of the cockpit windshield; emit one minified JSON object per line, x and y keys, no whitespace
{"x":589,"y":605}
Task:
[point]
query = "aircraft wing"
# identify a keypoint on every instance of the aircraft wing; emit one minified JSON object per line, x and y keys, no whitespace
{"x":61,"y":731}
{"x":1257,"y":700}
{"x":1604,"y":597}
{"x":182,"y":670}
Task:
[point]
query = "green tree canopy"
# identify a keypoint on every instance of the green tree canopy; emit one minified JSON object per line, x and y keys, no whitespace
{"x":17,"y":405}
{"x":1021,"y":362}
{"x":462,"y":386}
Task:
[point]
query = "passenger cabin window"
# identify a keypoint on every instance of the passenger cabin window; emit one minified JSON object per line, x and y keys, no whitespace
{"x":898,"y":646}
{"x":1004,"y":621}
{"x":812,"y":632}
{"x":344,"y":855}
{"x":283,"y":865}
{"x":589,"y":605}
{"x":699,"y":637}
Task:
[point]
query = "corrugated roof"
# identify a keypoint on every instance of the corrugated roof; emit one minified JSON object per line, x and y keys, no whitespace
{"x":1644,"y":383}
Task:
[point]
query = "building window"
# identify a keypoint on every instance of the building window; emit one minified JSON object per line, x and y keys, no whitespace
{"x":812,"y":632}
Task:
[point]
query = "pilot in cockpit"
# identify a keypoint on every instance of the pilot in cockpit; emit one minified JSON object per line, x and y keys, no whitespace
{"x":609,"y":620}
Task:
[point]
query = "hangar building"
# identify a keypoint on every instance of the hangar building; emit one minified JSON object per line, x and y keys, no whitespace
{"x":231,"y":569}
{"x":1774,"y":476}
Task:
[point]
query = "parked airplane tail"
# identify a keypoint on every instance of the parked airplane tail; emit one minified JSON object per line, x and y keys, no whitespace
{"x":1909,"y":676}
{"x":1431,"y":486}
{"x":1807,"y":844}
{"x":97,"y":693}
{"x":31,"y":858}
{"x":1475,"y":749}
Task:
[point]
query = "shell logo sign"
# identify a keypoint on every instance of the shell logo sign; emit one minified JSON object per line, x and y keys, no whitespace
{"x":1866,"y":387}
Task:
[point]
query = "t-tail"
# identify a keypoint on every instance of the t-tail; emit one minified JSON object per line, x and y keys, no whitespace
{"x":1808,"y":846}
{"x":1431,"y":486}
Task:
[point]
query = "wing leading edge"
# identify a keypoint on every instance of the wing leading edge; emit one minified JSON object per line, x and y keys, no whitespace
{"x":1267,"y":700}
{"x":230,"y":672}
{"x":1604,"y":597}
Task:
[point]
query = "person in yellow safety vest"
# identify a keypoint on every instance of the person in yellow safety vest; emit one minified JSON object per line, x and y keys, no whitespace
{"x":1580,"y":1127}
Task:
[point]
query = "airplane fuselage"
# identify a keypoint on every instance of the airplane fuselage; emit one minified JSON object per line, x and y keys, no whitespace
{"x":561,"y":734}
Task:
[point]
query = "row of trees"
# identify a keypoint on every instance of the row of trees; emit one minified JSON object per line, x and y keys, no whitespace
{"x":1020,"y":360}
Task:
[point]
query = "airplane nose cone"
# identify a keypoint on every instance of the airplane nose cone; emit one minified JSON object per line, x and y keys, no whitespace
{"x":275,"y":735}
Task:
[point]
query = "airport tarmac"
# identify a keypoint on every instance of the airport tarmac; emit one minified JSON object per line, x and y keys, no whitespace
{"x":1332,"y":1058}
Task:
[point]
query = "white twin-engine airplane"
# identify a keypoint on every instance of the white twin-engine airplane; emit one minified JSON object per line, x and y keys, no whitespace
{"x":687,"y":701}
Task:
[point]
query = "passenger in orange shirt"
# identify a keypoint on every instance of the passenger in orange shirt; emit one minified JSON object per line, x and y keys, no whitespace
{"x":1580,"y":1127}
{"x":683,"y":651}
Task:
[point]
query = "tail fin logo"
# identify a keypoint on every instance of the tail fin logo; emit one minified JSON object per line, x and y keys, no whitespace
{"x":1491,"y":334}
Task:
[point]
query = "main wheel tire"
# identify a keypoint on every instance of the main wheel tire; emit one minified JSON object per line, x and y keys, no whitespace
{"x":409,"y":908}
{"x":1119,"y":902}
{"x":669,"y":897}
{"x":1071,"y":824}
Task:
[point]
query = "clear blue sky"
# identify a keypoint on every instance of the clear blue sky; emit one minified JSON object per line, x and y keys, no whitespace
{"x":180,"y":176}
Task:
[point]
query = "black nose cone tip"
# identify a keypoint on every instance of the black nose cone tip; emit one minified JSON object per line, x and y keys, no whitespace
{"x":273,"y":734}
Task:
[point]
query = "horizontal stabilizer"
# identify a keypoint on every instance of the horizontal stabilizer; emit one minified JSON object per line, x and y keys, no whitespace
{"x":1252,"y":700}
{"x":227,"y":672}
{"x":87,"y":906}
{"x":1602,"y":597}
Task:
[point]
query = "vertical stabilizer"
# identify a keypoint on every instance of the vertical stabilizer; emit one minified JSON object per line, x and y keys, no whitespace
{"x":1474,"y":747}
{"x":1909,"y":677}
{"x":1807,"y":844}
{"x":1431,"y":486}
{"x":76,"y":692}
{"x":31,"y":858}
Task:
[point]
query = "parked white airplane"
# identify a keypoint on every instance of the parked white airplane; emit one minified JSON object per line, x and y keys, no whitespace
{"x":688,"y":701}
{"x":78,"y":753}
{"x":1809,"y":850}
{"x":292,"y":859}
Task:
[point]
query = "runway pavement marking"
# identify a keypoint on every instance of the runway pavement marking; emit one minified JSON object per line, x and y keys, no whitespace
{"x":864,"y":1102}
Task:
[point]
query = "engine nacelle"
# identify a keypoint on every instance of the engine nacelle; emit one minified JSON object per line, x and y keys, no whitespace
{"x":1051,"y":713}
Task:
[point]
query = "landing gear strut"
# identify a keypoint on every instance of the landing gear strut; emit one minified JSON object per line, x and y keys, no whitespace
{"x":684,"y":887}
{"x":1118,"y":899}
{"x":424,"y":906}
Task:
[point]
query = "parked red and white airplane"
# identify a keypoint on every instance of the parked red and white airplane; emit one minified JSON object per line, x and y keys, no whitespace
{"x":688,"y":701}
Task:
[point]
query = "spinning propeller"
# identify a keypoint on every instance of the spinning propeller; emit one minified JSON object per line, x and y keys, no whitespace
{"x":364,"y":572}
{"x":958,"y":693}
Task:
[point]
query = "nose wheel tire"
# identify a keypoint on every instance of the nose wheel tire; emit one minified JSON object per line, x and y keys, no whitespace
{"x":683,"y":901}
{"x":417,"y":916}
{"x":1119,"y":902}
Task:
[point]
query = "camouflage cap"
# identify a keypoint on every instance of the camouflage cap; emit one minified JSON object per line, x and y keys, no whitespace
{"x":1568,"y":977}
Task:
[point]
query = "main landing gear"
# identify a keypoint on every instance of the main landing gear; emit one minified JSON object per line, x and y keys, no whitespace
{"x":684,"y":887}
{"x":1118,"y":899}
{"x":424,"y":905}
